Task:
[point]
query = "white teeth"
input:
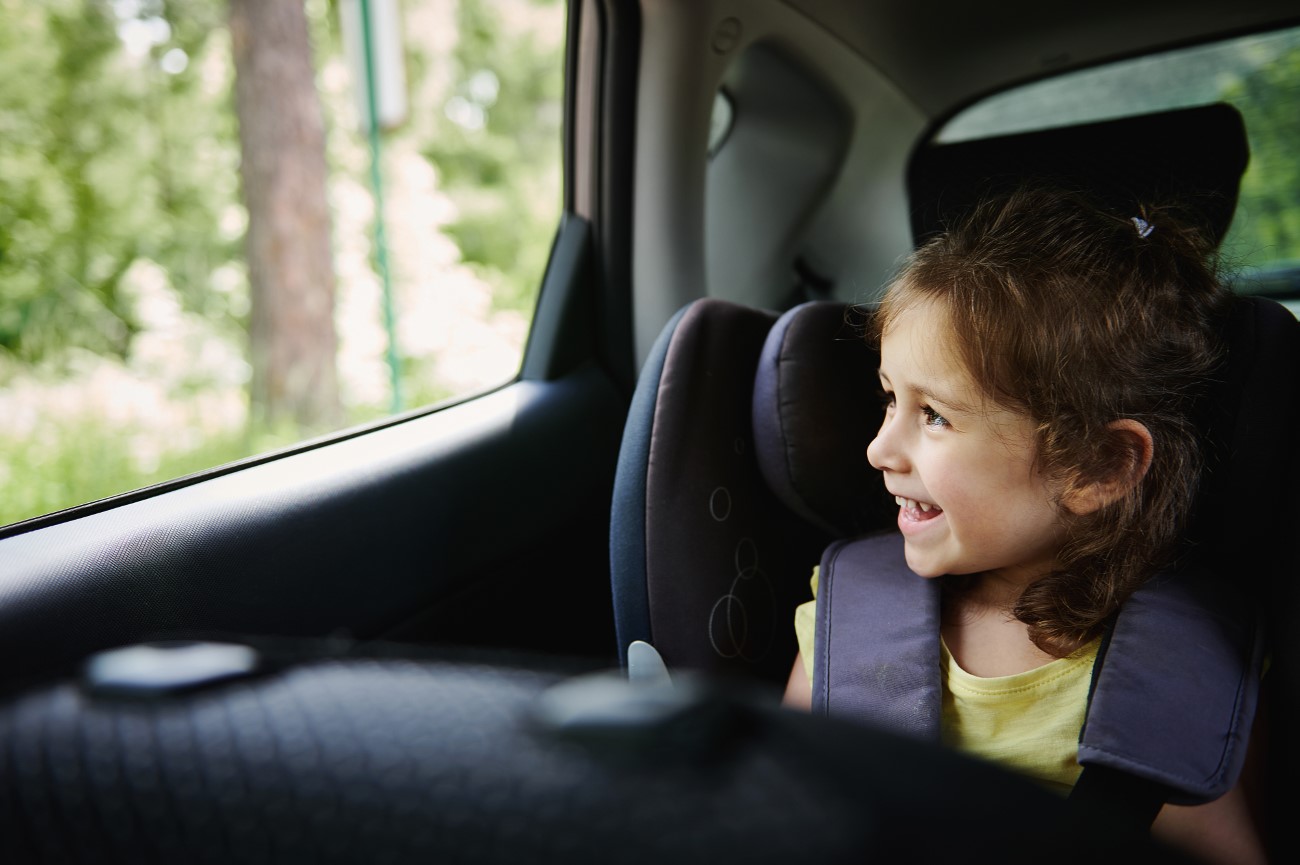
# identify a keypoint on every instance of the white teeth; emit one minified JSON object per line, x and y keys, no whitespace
{"x":913,"y":504}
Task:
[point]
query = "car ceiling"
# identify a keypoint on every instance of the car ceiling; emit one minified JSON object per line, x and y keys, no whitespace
{"x":740,"y":227}
{"x":998,"y":44}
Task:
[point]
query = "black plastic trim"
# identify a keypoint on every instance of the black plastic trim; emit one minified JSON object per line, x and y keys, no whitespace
{"x":621,"y":58}
{"x":563,"y":331}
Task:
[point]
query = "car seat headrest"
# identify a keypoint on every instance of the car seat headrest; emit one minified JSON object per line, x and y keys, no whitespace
{"x":815,"y":409}
{"x":1192,"y":156}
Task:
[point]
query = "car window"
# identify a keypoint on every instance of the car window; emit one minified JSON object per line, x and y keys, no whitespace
{"x":175,"y":296}
{"x":1260,"y":75}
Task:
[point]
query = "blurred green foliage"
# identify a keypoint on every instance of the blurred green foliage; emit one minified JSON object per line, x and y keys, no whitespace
{"x":106,"y":158}
{"x":48,"y":472}
{"x":119,"y":147}
{"x":1267,"y":226}
{"x":497,"y":149}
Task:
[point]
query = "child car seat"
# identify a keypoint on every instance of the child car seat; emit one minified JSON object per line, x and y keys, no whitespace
{"x":709,"y":555}
{"x":702,"y":549}
{"x":670,"y":586}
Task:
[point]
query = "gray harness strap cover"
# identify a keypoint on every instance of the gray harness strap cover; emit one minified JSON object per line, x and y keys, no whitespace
{"x":1174,"y":690}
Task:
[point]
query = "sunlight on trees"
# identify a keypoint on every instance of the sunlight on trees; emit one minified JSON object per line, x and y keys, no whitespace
{"x":292,"y":343}
{"x":124,"y":293}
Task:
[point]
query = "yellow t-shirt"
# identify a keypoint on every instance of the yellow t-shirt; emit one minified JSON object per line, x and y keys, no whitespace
{"x":805,"y":626}
{"x":1028,"y":722}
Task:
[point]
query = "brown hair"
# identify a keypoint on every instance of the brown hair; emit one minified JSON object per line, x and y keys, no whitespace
{"x":1078,"y":317}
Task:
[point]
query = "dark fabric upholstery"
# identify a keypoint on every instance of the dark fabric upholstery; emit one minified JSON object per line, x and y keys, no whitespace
{"x":1193,"y":155}
{"x":1250,"y":419}
{"x":352,"y":760}
{"x":815,"y":409}
{"x":627,"y":549}
{"x":1176,"y":694}
{"x":1248,"y":518}
{"x":877,"y":656}
{"x":724,"y":562}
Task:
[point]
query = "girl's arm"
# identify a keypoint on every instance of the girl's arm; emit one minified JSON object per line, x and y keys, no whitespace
{"x":1222,"y":831}
{"x":798,"y":691}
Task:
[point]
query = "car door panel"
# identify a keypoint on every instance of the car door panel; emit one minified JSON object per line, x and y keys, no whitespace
{"x":354,"y":536}
{"x":455,"y":525}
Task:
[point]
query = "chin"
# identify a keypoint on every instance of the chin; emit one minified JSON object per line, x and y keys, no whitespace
{"x":923,"y":567}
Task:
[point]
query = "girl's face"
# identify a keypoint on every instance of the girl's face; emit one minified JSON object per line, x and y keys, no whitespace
{"x":962,"y":469}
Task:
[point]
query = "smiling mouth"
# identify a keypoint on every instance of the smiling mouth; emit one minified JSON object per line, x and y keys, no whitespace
{"x":918,"y":511}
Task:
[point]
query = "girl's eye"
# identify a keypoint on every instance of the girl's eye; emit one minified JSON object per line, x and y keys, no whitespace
{"x":933,"y":418}
{"x":886,"y":399}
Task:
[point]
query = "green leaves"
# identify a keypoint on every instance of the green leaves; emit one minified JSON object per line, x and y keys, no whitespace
{"x":1267,"y":225}
{"x":496,"y":147}
{"x":98,"y":167}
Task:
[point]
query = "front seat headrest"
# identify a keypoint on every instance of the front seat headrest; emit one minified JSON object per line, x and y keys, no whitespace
{"x":1191,"y":156}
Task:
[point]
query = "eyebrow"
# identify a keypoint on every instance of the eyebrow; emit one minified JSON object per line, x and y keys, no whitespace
{"x":928,"y":394}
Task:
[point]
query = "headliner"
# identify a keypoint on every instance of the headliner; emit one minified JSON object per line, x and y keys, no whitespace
{"x":988,"y":47}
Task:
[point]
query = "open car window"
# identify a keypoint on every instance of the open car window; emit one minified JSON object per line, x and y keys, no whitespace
{"x":153,"y":321}
{"x":1259,"y":75}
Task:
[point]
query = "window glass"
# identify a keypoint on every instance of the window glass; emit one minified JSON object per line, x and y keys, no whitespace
{"x":1260,"y":75}
{"x":191,"y":269}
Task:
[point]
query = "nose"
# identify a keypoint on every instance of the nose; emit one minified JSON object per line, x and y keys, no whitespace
{"x":886,"y":452}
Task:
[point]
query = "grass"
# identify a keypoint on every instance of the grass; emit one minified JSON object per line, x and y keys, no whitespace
{"x":72,"y":462}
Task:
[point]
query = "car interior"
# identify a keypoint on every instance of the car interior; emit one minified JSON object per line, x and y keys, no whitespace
{"x":404,"y":639}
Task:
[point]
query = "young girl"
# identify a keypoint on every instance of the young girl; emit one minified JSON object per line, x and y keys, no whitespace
{"x":1039,"y":364}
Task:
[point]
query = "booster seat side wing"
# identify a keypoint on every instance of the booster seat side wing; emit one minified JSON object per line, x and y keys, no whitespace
{"x":706,"y":564}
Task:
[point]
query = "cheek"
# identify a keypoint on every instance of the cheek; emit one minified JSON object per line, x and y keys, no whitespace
{"x":1026,"y":509}
{"x":988,"y":492}
{"x":955,"y":483}
{"x":972,"y":513}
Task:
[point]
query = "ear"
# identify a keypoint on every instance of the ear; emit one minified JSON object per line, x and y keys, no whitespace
{"x":1128,"y":449}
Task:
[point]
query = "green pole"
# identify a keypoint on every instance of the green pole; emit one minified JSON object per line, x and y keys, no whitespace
{"x":376,"y":185}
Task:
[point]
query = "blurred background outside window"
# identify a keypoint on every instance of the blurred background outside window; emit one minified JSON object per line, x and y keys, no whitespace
{"x":175,"y":295}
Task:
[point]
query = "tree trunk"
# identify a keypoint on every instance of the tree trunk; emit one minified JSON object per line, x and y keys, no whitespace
{"x":290,"y":268}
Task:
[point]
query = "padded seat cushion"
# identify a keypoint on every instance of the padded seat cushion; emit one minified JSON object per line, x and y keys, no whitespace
{"x":816,"y":407}
{"x":707,"y":564}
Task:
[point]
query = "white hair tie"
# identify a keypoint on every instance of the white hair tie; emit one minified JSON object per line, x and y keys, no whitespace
{"x":1143,"y":227}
